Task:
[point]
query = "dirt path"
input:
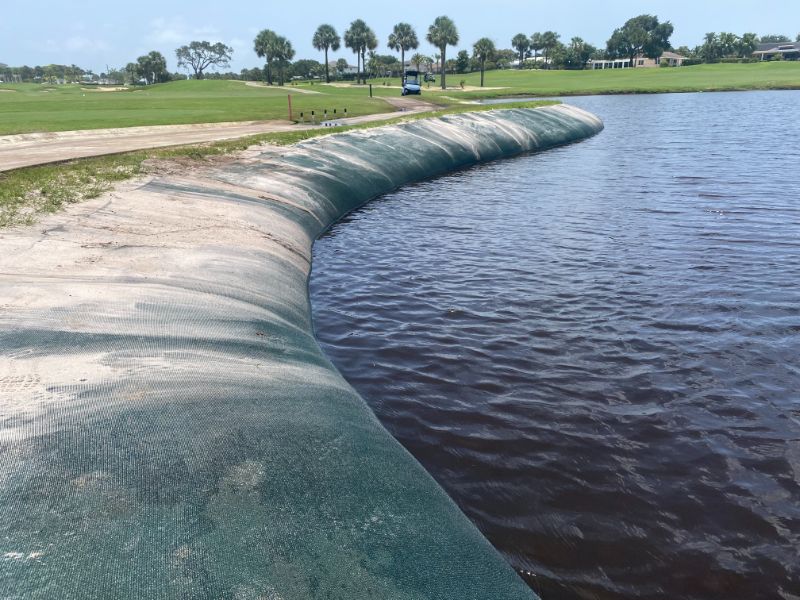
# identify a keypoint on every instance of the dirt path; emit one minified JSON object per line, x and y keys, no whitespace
{"x":288,"y":89}
{"x":30,"y":149}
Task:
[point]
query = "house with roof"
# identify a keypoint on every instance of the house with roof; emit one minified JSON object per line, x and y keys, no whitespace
{"x":668,"y":58}
{"x":333,"y":65}
{"x":786,"y":50}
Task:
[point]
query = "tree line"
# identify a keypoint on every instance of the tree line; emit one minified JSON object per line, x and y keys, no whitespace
{"x":643,"y":35}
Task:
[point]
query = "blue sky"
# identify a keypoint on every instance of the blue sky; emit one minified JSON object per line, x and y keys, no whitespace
{"x":95,"y":33}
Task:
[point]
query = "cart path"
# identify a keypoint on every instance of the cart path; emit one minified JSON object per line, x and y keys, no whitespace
{"x":29,"y":149}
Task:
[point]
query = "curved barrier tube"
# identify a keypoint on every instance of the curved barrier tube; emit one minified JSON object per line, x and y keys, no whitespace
{"x":169,"y":427}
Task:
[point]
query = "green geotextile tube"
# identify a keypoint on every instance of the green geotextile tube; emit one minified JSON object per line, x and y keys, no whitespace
{"x":169,"y":427}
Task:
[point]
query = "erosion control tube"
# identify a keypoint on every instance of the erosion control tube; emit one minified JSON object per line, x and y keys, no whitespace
{"x":169,"y":427}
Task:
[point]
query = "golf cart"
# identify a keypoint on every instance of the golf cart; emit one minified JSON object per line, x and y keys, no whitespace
{"x":411,"y":83}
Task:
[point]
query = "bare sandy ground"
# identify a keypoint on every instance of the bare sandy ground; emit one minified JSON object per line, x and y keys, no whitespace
{"x":30,"y":149}
{"x":287,"y":88}
{"x":105,"y":89}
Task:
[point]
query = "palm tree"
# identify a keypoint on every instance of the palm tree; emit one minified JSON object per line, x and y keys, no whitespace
{"x":326,"y":38}
{"x":521,"y":44}
{"x":428,"y":63}
{"x":748,"y":44}
{"x":264,"y":45}
{"x":403,"y":38}
{"x":360,"y":38}
{"x":442,"y":33}
{"x":483,"y":50}
{"x":284,"y":53}
{"x":370,"y":43}
{"x":352,"y":40}
{"x":549,"y":41}
{"x":417,"y":60}
{"x":536,"y":45}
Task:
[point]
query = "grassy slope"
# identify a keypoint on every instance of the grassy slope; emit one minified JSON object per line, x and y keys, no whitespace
{"x":27,"y":192}
{"x":770,"y":75}
{"x":34,"y":107}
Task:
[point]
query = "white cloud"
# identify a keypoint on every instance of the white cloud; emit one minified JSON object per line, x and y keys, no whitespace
{"x":79,"y":43}
{"x":175,"y":30}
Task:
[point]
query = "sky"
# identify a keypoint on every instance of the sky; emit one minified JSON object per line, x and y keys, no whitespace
{"x":94,"y":34}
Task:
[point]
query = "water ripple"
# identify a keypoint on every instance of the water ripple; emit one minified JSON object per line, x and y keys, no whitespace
{"x":594,"y":349}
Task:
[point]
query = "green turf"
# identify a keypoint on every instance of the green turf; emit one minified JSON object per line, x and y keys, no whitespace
{"x":719,"y":77}
{"x":29,"y":191}
{"x":34,"y":107}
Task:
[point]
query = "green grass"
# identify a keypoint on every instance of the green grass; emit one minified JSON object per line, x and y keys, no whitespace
{"x":28,"y":108}
{"x":26,"y":193}
{"x":33,"y":107}
{"x":706,"y":78}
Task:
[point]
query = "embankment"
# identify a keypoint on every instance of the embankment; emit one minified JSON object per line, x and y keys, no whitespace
{"x":169,"y":427}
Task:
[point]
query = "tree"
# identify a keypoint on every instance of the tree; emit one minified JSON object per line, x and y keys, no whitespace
{"x":503,"y":58}
{"x":151,"y":67}
{"x":577,"y":54}
{"x":536,"y":44}
{"x":307,"y":69}
{"x":341,"y":66}
{"x":774,"y":39}
{"x":418,"y":60}
{"x":132,"y":72}
{"x":521,"y":44}
{"x":549,"y":42}
{"x":462,"y":62}
{"x":251,"y":74}
{"x":326,"y":38}
{"x":642,"y":35}
{"x":483,"y":50}
{"x":383,"y":65}
{"x":729,"y":43}
{"x":284,"y":53}
{"x":274,"y":49}
{"x":360,"y":38}
{"x":747,"y":45}
{"x":441,"y":34}
{"x":201,"y":55}
{"x":711,"y":50}
{"x":402,"y":38}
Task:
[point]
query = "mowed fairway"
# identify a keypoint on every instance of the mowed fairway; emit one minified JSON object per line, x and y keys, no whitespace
{"x":719,"y":77}
{"x":26,"y":108}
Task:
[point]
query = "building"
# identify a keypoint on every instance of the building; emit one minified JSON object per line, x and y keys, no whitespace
{"x":669,"y":58}
{"x":423,"y":67}
{"x":787,"y":50}
{"x":350,"y":70}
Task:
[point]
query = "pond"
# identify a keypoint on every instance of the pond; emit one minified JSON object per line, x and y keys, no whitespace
{"x":595,"y":349}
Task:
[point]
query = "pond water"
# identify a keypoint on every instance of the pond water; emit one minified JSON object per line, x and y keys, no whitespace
{"x":595,"y":350}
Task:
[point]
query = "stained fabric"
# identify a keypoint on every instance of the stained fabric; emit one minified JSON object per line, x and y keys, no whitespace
{"x":169,"y":427}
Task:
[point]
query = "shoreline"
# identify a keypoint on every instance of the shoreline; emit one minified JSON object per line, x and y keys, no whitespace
{"x":172,"y":411}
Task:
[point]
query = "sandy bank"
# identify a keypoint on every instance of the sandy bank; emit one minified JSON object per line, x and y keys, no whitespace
{"x":169,"y":426}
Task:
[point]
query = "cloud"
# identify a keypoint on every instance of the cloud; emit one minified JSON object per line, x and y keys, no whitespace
{"x":76,"y":44}
{"x":176,"y":31}
{"x":79,"y":43}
